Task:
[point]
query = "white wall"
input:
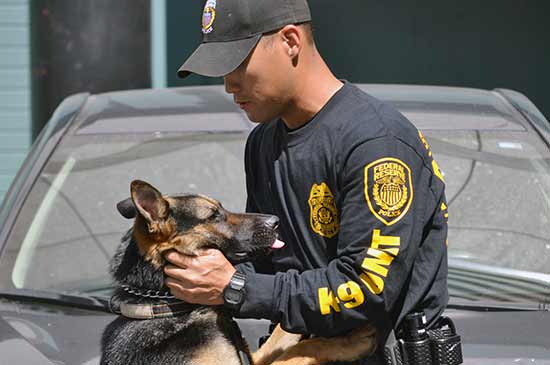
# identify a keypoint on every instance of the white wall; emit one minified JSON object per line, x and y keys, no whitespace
{"x":15,"y":108}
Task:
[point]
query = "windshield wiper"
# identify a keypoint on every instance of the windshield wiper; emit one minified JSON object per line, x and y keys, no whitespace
{"x":473,"y":281}
{"x":49,"y":297}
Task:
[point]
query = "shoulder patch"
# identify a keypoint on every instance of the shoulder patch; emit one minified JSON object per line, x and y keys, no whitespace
{"x":323,"y":214}
{"x":388,"y":189}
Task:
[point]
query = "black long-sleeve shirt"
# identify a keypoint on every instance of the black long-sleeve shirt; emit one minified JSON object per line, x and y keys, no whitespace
{"x":362,"y":209}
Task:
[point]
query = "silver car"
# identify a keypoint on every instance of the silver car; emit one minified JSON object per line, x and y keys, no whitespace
{"x":59,"y":226}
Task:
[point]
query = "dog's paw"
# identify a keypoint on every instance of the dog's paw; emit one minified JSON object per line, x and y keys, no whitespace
{"x":282,"y":340}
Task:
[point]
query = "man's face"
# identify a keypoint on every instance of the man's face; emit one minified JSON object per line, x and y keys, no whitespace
{"x":263,"y":84}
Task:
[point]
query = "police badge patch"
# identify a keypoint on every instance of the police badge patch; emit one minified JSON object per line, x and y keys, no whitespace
{"x":388,"y":189}
{"x":323,"y":213}
{"x":208,"y":16}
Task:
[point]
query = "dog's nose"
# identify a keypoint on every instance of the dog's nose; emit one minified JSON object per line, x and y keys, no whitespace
{"x":272,"y":222}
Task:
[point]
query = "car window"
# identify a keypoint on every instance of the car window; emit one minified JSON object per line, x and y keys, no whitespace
{"x":69,"y":227}
{"x":498,"y":192}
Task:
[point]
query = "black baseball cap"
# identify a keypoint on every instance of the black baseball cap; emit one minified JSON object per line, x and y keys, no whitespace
{"x":232,"y":28}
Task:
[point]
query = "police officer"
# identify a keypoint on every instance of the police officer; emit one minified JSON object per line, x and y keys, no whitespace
{"x":360,"y":199}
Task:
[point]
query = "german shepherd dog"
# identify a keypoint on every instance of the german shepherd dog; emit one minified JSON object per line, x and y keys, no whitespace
{"x":156,"y":328}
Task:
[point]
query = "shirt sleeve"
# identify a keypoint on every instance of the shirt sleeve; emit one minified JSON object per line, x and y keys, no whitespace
{"x":386,"y":208}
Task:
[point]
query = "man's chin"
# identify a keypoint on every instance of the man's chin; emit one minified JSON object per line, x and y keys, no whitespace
{"x":254,"y":118}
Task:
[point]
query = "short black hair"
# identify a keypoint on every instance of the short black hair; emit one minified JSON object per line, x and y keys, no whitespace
{"x":308,"y":29}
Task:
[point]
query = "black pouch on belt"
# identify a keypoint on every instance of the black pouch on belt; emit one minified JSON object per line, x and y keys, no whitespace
{"x":417,"y":345}
{"x":446,"y":344}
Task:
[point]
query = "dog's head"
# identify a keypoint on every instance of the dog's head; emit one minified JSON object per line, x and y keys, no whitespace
{"x":188,"y":223}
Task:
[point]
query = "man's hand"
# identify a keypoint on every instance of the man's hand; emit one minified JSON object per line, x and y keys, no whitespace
{"x":198,"y":279}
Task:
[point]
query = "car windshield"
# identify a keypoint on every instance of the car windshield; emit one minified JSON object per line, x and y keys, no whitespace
{"x":69,"y":228}
{"x":498,"y":192}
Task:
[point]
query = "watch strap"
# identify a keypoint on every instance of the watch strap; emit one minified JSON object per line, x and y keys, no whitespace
{"x":234,"y":292}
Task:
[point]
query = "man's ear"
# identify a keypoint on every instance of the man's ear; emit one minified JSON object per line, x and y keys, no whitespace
{"x":292,"y":39}
{"x":148,"y":201}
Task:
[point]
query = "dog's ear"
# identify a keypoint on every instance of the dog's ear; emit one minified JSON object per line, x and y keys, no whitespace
{"x":126,"y":208}
{"x":148,"y":201}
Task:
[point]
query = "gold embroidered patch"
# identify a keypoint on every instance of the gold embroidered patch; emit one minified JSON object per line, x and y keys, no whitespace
{"x":388,"y":189}
{"x":323,"y":212}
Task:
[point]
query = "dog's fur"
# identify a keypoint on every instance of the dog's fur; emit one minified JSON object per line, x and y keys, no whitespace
{"x":189,"y":223}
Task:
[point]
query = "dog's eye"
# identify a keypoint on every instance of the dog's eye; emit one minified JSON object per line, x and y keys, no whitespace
{"x":216,"y":214}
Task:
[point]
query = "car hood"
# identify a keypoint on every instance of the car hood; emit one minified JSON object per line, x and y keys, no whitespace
{"x":503,"y":337}
{"x":53,"y":334}
{"x":50,"y":334}
{"x":16,"y":349}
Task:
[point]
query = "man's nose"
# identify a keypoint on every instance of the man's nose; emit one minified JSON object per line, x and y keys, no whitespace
{"x":231,"y":83}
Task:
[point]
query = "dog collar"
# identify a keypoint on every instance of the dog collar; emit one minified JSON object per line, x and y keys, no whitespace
{"x":147,"y":293}
{"x":151,"y":311}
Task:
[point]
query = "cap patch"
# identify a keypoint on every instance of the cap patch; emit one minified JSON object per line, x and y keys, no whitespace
{"x":208,"y":16}
{"x":388,"y":189}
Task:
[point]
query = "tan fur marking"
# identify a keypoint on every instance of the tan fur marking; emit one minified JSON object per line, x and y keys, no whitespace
{"x":152,"y":246}
{"x":279,"y":342}
{"x":187,"y":244}
{"x":205,"y":206}
{"x":151,"y":237}
{"x":203,"y":212}
{"x":210,"y":200}
{"x":197,"y":238}
{"x":171,"y":202}
{"x":217,"y":352}
{"x":359,"y":343}
{"x":234,"y":219}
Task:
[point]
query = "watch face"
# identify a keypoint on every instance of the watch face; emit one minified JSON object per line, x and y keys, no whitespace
{"x":234,"y":293}
{"x":233,"y":296}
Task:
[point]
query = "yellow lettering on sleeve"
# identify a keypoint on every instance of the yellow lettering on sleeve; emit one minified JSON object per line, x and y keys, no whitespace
{"x":376,"y":264}
{"x":351,"y":294}
{"x":374,"y":283}
{"x":327,"y":301}
{"x":378,"y":240}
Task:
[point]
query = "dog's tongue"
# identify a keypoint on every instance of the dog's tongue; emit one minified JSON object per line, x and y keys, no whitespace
{"x":277,"y":244}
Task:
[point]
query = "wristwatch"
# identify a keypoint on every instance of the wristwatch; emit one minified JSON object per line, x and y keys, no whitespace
{"x":234,"y":292}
